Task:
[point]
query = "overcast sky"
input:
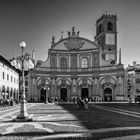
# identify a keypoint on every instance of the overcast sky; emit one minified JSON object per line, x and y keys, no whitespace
{"x":36,"y":21}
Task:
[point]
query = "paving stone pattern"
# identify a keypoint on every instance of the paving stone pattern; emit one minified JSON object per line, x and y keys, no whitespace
{"x":65,"y":121}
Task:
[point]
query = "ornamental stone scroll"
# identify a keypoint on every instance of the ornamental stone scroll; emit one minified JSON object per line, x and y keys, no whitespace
{"x":73,"y":44}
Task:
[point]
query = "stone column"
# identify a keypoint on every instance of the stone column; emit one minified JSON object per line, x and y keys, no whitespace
{"x":55,"y":86}
{"x":93,"y":87}
{"x":69,"y":60}
{"x":51,"y":87}
{"x":34,"y":84}
{"x":116,"y":91}
{"x":78,"y":61}
{"x":57,"y":58}
{"x":33,"y":87}
{"x":120,"y":85}
{"x":73,"y":86}
{"x":76,"y":86}
{"x":98,"y":86}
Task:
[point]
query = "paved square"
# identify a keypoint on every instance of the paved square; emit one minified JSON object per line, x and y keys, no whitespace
{"x":50,"y":121}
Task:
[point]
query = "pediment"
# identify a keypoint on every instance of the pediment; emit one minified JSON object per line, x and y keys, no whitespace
{"x":74,"y":44}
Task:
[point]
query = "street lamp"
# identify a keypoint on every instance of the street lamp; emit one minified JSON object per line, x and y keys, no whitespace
{"x":23,"y":63}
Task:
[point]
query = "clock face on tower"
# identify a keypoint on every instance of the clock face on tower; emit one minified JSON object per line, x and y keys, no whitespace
{"x":110,"y":39}
{"x":110,"y":56}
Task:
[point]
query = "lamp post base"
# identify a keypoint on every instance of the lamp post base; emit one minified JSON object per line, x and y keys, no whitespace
{"x":23,"y":119}
{"x":46,"y":102}
{"x":23,"y":115}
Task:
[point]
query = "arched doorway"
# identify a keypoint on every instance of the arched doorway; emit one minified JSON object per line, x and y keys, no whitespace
{"x":11,"y":93}
{"x":84,"y":93}
{"x":63,"y":94}
{"x":43,"y":95}
{"x":108,"y":94}
{"x":14,"y":93}
{"x":8,"y":92}
{"x":3,"y":91}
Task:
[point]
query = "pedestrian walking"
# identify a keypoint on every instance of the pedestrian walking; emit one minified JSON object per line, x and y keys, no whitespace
{"x":56,"y":101}
{"x":74,"y":101}
{"x":82,"y":104}
{"x":78,"y":103}
{"x":86,"y":103}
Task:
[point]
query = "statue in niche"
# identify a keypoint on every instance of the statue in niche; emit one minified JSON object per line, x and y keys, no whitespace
{"x":43,"y":81}
{"x":68,"y":33}
{"x":73,"y":28}
{"x":84,"y":82}
{"x":78,"y":32}
{"x":63,"y":82}
{"x":53,"y":40}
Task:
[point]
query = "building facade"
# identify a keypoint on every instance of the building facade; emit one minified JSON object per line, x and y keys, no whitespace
{"x":133,"y":81}
{"x":78,"y":67}
{"x":9,"y":80}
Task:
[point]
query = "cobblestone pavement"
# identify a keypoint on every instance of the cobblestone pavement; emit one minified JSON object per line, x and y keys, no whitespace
{"x":50,"y":120}
{"x":56,"y":118}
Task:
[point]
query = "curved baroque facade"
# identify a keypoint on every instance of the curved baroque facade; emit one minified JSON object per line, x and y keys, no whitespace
{"x":78,"y":67}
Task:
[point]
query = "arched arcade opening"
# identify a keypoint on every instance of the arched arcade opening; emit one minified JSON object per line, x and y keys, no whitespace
{"x":43,"y":95}
{"x":108,"y":94}
{"x":63,"y":94}
{"x":84,"y":93}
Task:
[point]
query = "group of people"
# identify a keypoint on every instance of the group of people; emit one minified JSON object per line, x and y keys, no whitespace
{"x":53,"y":100}
{"x":7,"y":102}
{"x":82,"y":103}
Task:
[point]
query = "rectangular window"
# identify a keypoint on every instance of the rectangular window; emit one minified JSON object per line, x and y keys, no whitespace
{"x":3,"y":75}
{"x":84,"y":63}
{"x":7,"y":77}
{"x":63,"y":63}
{"x":11,"y":78}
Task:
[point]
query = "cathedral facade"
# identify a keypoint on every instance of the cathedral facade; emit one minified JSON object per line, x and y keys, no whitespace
{"x":78,"y":67}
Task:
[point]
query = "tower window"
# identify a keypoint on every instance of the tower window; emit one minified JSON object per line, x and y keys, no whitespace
{"x":84,"y":63}
{"x":63,"y":63}
{"x":109,"y":26}
{"x":100,"y":28}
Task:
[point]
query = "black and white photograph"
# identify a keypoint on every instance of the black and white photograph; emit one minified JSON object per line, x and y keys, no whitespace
{"x":69,"y":70}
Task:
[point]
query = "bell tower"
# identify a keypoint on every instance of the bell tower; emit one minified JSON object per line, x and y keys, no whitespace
{"x":106,"y":36}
